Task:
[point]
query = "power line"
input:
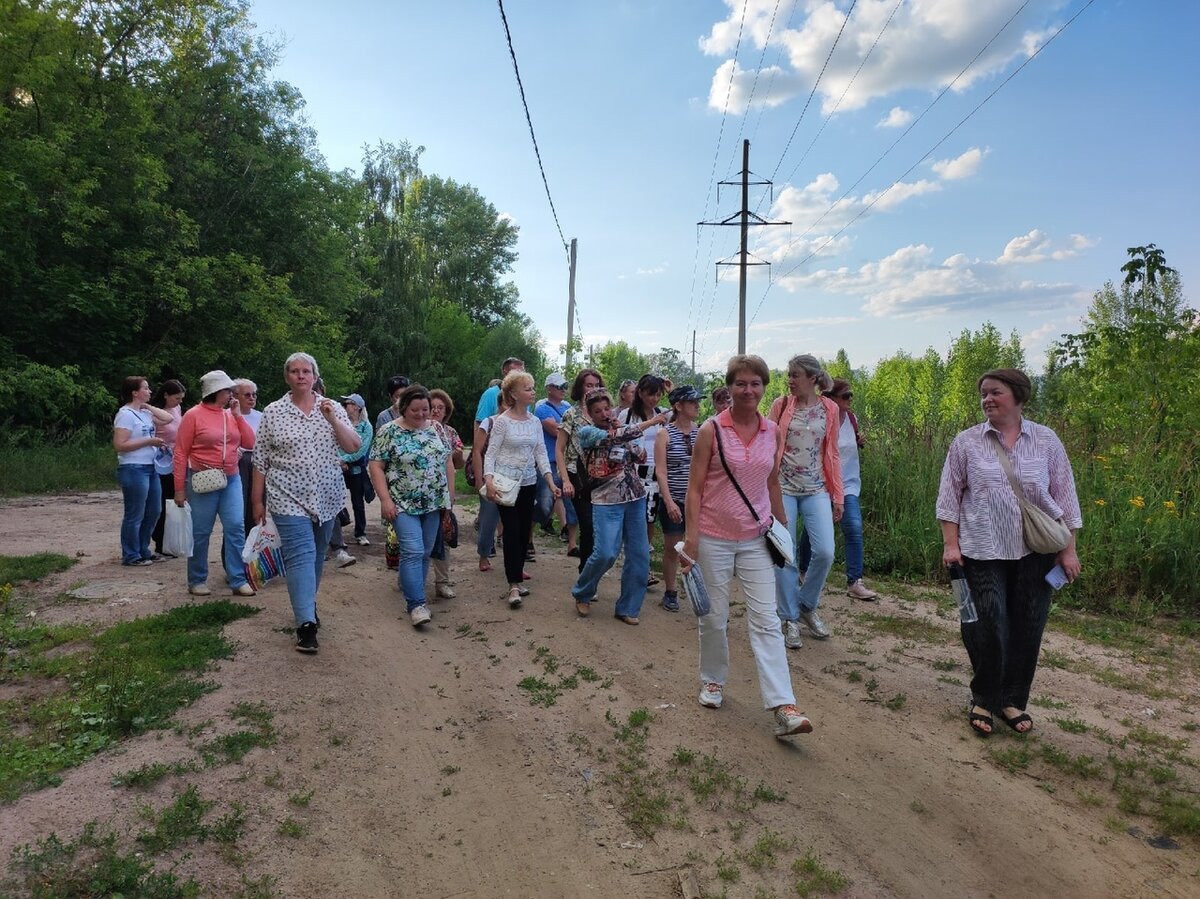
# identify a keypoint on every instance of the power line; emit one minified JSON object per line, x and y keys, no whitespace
{"x":754,"y":85}
{"x":931,"y":150}
{"x":771,"y":80}
{"x":813,"y":92}
{"x":529,"y":120}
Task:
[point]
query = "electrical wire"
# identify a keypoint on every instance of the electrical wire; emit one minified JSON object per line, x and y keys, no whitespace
{"x":931,"y":150}
{"x":529,"y":121}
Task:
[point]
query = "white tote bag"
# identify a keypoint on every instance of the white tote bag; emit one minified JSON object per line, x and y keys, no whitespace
{"x":177,"y":530}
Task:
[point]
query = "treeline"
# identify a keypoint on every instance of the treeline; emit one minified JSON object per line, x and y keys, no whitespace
{"x":164,"y":211}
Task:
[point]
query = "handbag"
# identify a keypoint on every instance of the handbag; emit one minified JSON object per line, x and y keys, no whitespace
{"x":1042,"y":533}
{"x":450,"y":528}
{"x":778,"y":538}
{"x":209,"y":480}
{"x":177,"y":530}
{"x":506,"y":489}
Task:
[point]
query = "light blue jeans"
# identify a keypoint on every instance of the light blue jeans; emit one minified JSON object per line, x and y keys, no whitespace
{"x":227,"y":503}
{"x":852,"y":537}
{"x":613,"y":525}
{"x":417,"y":534}
{"x":815,"y":514}
{"x":143,"y":497}
{"x":489,"y":517}
{"x":304,"y":542}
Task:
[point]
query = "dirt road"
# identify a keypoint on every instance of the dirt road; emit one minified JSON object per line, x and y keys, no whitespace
{"x":433,"y":775}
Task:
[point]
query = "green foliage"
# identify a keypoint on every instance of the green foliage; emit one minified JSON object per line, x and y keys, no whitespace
{"x":15,"y":569}
{"x":31,"y":464}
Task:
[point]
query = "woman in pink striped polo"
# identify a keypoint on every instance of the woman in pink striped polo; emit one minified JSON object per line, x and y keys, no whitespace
{"x":737,"y":449}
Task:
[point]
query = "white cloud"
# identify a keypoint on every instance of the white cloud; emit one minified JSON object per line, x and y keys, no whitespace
{"x":909,"y":283}
{"x":897,"y":118}
{"x":1036,"y":246}
{"x":963,"y":166}
{"x":654,"y":270}
{"x":923,"y":48}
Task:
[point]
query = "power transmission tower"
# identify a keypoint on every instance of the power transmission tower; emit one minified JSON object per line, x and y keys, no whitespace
{"x":743,"y":219}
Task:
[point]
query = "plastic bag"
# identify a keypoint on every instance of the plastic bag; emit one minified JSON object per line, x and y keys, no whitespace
{"x":262,"y":554}
{"x":694,"y":587}
{"x":262,"y":537}
{"x":177,"y":530}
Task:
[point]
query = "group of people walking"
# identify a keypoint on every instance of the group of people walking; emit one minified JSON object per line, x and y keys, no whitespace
{"x":612,"y":472}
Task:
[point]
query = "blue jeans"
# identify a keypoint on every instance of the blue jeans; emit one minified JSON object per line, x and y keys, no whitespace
{"x":852,"y":534}
{"x":417,"y":534}
{"x":489,"y":517}
{"x":226,"y":502}
{"x":543,"y":509}
{"x":304,"y":542}
{"x":816,"y":514}
{"x":143,"y":497}
{"x":612,"y":525}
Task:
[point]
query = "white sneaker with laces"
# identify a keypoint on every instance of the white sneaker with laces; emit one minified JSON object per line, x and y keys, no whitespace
{"x":791,"y":635}
{"x":444,"y":592}
{"x":814,"y":623}
{"x":788,"y":721}
{"x":859,"y":590}
{"x":344,"y":559}
{"x":420,"y":615}
{"x":362,"y":541}
{"x":711,"y":696}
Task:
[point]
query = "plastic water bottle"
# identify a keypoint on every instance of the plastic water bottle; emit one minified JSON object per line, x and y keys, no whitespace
{"x":962,"y":595}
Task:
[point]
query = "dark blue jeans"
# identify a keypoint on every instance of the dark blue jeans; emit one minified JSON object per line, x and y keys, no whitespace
{"x":143,"y":499}
{"x":1013,"y":600}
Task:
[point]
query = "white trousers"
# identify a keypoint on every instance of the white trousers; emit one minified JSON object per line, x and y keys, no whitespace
{"x":747,"y":560}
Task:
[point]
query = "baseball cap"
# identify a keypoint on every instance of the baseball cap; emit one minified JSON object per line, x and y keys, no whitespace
{"x":356,"y":399}
{"x":556,"y":379}
{"x":684,"y":394}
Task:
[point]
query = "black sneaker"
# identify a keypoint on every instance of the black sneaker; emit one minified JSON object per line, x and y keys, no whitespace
{"x":306,"y":637}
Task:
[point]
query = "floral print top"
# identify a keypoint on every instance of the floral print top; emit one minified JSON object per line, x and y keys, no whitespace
{"x":800,"y":472}
{"x":414,"y":463}
{"x":612,"y":458}
{"x":573,"y":419}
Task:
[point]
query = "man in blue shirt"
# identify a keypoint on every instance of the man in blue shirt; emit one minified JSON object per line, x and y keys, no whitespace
{"x":490,"y":397}
{"x":550,"y":412}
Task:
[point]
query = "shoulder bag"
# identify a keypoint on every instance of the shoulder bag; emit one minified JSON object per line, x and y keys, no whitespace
{"x":1041,"y":532}
{"x":778,"y":537}
{"x":209,"y":480}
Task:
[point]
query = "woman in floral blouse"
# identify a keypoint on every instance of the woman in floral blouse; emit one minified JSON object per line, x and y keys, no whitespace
{"x":298,"y":479}
{"x":413,"y":475}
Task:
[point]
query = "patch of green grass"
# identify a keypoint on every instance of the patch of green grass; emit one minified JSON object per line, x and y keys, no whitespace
{"x":814,"y":879}
{"x":447,"y":770}
{"x":230,"y":827}
{"x":1081,"y":766}
{"x":727,"y":869}
{"x":133,"y":678}
{"x":897,"y":702}
{"x":907,"y":628}
{"x":682,"y":756}
{"x":76,"y":462}
{"x":261,"y":888}
{"x":91,"y":865}
{"x":1178,"y":815}
{"x":918,"y":807}
{"x":177,"y":823}
{"x":1013,"y":759}
{"x":1046,"y":702}
{"x":19,"y":569}
{"x":944,"y":665}
{"x":766,"y":850}
{"x":151,"y":773}
{"x":290,"y":827}
{"x":233,"y":747}
{"x":1143,"y":736}
{"x":764,"y":793}
{"x":301,"y":800}
{"x":1071,"y":725}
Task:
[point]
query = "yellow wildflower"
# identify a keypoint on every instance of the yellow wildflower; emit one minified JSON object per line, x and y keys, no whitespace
{"x":1138,"y":502}
{"x":1101,"y":502}
{"x":1170,"y":505}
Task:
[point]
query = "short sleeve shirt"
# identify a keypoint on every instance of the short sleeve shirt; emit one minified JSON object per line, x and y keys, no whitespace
{"x":298,"y":454}
{"x":546,"y":411}
{"x":140,"y":425}
{"x":414,"y":463}
{"x":488,"y":403}
{"x":573,"y":419}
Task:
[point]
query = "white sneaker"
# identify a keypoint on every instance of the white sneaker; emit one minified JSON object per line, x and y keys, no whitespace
{"x":199,"y":590}
{"x":859,"y":590}
{"x":711,"y":696}
{"x":444,"y":592}
{"x":788,"y":721}
{"x":344,"y":559}
{"x":362,"y":541}
{"x":420,"y":615}
{"x":814,"y":623}
{"x":791,"y":635}
{"x":514,"y":598}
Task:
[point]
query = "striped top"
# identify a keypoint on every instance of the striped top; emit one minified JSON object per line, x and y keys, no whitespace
{"x":723,"y":514}
{"x":679,"y":460}
{"x":976,"y":495}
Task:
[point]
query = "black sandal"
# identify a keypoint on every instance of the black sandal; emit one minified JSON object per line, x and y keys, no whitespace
{"x":977,"y":718}
{"x":1018,"y":719}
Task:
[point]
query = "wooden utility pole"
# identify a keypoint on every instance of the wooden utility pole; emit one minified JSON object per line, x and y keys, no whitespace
{"x":743,"y":219}
{"x":571,"y":303}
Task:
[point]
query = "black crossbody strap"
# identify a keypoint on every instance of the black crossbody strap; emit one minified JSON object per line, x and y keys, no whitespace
{"x":732,"y":479}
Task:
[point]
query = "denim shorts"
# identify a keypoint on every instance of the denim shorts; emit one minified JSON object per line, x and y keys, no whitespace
{"x":664,"y":518}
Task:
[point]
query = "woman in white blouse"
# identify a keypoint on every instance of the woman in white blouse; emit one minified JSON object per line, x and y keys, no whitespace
{"x":298,"y":479}
{"x":515,"y":449}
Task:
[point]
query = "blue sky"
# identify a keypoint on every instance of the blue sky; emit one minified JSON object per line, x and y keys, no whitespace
{"x":1016,"y":218}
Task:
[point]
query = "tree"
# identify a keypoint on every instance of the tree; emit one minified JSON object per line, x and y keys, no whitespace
{"x":618,"y":362}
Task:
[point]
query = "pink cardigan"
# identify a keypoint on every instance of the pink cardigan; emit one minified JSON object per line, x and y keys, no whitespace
{"x":198,"y":445}
{"x":782,"y":411}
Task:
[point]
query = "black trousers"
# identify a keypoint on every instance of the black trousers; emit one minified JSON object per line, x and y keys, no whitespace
{"x":168,"y":496}
{"x":583,"y":511}
{"x":517,"y":520}
{"x":355,"y":484}
{"x":246,"y":473}
{"x":1013,"y":601}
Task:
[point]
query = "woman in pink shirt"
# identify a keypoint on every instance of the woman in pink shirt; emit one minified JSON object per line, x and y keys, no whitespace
{"x":209,"y":437}
{"x":725,"y":539}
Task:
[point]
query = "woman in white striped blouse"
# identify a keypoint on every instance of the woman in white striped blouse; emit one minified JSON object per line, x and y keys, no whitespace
{"x":981,"y":530}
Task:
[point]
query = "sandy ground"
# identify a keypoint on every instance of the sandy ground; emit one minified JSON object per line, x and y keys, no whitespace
{"x":432,"y":775}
